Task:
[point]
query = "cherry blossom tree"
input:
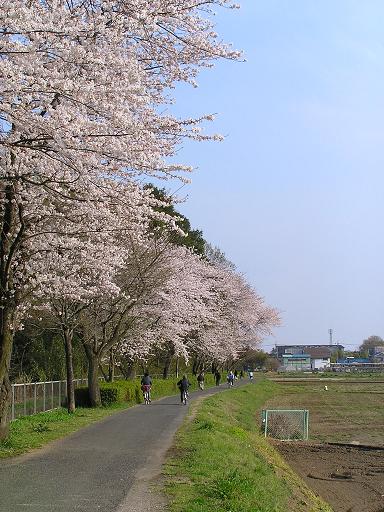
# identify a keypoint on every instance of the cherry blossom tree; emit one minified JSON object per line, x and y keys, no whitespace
{"x":82,"y":82}
{"x":111,"y":318}
{"x":201,"y":310}
{"x":72,"y":276}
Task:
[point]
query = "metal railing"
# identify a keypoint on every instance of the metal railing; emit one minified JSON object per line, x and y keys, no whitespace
{"x":33,"y":397}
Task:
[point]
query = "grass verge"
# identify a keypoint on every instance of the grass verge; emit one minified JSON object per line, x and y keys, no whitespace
{"x":221,"y":462}
{"x":35,"y":431}
{"x":31,"y":432}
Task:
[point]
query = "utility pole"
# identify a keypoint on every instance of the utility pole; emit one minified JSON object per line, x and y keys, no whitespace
{"x":330,"y":337}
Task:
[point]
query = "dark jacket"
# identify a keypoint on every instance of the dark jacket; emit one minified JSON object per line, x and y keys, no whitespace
{"x":146,"y":380}
{"x":183,"y":384}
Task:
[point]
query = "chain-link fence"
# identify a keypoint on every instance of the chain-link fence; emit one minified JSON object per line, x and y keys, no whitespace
{"x":33,"y":397}
{"x":285,"y":424}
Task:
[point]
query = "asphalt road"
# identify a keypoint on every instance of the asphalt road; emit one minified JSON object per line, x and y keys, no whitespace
{"x":105,"y":467}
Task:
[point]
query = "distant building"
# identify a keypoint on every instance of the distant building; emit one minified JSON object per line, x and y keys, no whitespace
{"x":320,"y":357}
{"x":306,"y":357}
{"x":280,"y":350}
{"x":296,"y":362}
{"x":376,"y":354}
{"x":353,"y":360}
{"x":359,"y":364}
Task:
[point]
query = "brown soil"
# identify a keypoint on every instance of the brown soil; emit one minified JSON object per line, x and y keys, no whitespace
{"x":349,"y":478}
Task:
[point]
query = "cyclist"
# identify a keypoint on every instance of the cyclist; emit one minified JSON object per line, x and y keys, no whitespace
{"x":183,"y":385}
{"x":146,"y":383}
{"x":200,"y":380}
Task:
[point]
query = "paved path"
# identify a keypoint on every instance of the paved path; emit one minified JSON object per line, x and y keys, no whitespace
{"x":105,"y":467}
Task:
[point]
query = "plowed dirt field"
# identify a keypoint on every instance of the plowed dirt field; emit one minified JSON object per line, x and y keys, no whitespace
{"x":348,"y":475}
{"x":349,"y":478}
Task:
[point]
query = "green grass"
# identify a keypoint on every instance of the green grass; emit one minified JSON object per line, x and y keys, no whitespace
{"x":222,"y":463}
{"x":35,"y":431}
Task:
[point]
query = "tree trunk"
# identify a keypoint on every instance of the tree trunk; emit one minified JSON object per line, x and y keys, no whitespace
{"x":177,"y":367}
{"x":168,"y":361}
{"x":93,"y":376}
{"x":12,"y":229}
{"x":111,"y":369}
{"x":6,"y":341}
{"x":128,"y":370}
{"x":195,"y":366}
{"x":68,"y":336}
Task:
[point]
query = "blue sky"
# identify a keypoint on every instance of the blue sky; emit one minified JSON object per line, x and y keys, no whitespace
{"x":293,"y":195}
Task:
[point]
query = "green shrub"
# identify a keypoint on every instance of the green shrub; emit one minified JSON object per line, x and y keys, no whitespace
{"x":40,"y":427}
{"x":130,"y":390}
{"x":82,"y":397}
{"x":109,"y":395}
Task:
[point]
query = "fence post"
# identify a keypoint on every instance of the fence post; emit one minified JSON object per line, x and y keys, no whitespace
{"x":52,"y":403}
{"x":25,"y":399}
{"x":44,"y":396}
{"x":34,"y":398}
{"x":13,"y":402}
{"x":59,"y":393}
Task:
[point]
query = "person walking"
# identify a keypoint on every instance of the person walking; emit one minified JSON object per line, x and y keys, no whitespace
{"x":230,"y":378}
{"x":217,"y":377}
{"x":200,"y":380}
{"x":183,"y":385}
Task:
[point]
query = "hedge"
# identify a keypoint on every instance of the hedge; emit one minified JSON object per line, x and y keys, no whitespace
{"x":130,"y":391}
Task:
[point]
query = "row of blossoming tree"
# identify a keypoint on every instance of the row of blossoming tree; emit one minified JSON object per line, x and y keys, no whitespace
{"x":82,"y":120}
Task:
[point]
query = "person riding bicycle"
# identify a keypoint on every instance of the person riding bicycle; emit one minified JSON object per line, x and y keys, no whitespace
{"x":200,"y":380}
{"x":146,"y":383}
{"x":183,"y":385}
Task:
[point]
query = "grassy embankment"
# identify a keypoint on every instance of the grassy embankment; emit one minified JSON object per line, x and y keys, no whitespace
{"x":35,"y":431}
{"x":221,"y":461}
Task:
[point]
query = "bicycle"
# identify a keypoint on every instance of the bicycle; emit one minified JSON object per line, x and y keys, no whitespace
{"x":185,"y":396}
{"x":147,"y":394}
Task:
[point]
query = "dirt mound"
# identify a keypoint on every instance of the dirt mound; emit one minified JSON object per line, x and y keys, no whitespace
{"x":349,"y":478}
